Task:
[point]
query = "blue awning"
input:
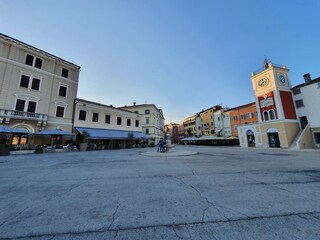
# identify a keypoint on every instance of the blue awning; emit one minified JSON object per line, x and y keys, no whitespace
{"x":96,"y":133}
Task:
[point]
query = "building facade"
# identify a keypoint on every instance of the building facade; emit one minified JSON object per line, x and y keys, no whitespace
{"x":152,"y":120}
{"x":207,"y":121}
{"x":191,"y":126}
{"x":278,"y":125}
{"x":242,"y":115}
{"x":222,"y":124}
{"x":37,"y":90}
{"x":306,"y":97}
{"x":172,"y":130}
{"x":106,"y":125}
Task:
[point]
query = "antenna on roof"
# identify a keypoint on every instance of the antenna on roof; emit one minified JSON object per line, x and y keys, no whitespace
{"x":266,"y":62}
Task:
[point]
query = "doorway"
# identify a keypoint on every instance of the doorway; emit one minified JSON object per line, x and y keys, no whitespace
{"x":251,"y":139}
{"x":303,"y":122}
{"x":274,"y":140}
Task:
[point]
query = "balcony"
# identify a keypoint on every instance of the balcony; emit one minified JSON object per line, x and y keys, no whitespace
{"x":13,"y":114}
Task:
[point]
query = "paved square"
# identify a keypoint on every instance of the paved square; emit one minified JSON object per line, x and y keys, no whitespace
{"x":220,"y":193}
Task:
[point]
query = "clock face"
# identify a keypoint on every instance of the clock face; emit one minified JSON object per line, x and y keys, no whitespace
{"x":263,"y":82}
{"x":282,"y":79}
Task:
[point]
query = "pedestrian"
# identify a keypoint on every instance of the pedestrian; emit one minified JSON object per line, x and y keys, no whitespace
{"x":161,"y":144}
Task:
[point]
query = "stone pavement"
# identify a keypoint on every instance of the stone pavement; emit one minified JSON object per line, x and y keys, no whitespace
{"x":219,"y":193}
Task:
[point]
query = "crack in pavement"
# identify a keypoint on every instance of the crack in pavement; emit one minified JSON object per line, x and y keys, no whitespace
{"x":17,"y":215}
{"x":274,"y":185}
{"x":168,"y":225}
{"x":210,"y":204}
{"x":175,"y":232}
{"x":114,"y":215}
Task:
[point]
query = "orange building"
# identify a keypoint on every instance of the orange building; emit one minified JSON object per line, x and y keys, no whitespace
{"x":244,"y":114}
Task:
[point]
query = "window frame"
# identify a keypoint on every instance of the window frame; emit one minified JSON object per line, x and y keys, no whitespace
{"x":85,"y":115}
{"x":31,"y":79}
{"x":63,"y":71}
{"x":119,"y":121}
{"x":35,"y":61}
{"x":63,"y":112}
{"x":107,"y":119}
{"x":95,"y":117}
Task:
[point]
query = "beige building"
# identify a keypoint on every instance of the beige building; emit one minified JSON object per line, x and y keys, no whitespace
{"x":107,"y":125}
{"x":37,"y":89}
{"x":152,"y":120}
{"x":278,"y":125}
{"x":191,"y":126}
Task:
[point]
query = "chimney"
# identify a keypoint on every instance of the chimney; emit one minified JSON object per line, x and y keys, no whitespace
{"x":307,"y":77}
{"x":134,"y":103}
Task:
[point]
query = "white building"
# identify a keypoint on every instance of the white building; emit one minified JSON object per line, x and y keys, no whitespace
{"x":306,"y":97}
{"x":152,"y":120}
{"x":222,"y":126}
{"x":107,"y":125}
{"x":37,"y":89}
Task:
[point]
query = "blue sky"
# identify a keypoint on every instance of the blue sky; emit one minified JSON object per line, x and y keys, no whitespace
{"x":182,"y":55}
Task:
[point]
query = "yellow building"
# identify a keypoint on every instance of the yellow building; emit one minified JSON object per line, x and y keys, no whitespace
{"x":207,"y":121}
{"x":190,"y":128}
{"x":278,"y":125}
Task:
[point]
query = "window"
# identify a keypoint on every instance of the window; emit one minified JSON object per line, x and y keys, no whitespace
{"x":272,"y":115}
{"x":147,"y":111}
{"x":299,"y":103}
{"x":248,"y":115}
{"x":38,"y":63}
{"x":20,"y":105}
{"x":255,"y":114}
{"x":35,"y":84}
{"x":235,"y":127}
{"x":33,"y":61}
{"x":118,"y":120}
{"x":82,"y":115}
{"x":62,"y":91}
{"x":241,"y":116}
{"x":137,"y":123}
{"x":25,"y":82}
{"x":29,"y":60}
{"x":266,"y":116}
{"x":296,"y":91}
{"x":26,"y":106}
{"x":128,"y":122}
{"x":234,"y":118}
{"x":218,"y":118}
{"x":147,"y":131}
{"x":95,"y":117}
{"x":60,"y":111}
{"x":107,"y":119}
{"x":32,"y":107}
{"x":65,"y":73}
{"x":317,"y":137}
{"x":147,"y":120}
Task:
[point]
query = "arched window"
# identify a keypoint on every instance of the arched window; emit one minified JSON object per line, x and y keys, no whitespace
{"x":272,"y":115}
{"x":266,"y":116}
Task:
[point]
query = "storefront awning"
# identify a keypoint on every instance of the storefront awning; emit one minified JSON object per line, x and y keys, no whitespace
{"x":96,"y":133}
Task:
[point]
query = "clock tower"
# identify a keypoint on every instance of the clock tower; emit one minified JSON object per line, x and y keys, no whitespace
{"x":272,"y":89}
{"x":278,"y":125}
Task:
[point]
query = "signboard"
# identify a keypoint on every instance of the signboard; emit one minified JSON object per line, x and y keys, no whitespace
{"x":266,"y":102}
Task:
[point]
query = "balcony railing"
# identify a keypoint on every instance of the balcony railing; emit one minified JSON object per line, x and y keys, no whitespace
{"x":4,"y":113}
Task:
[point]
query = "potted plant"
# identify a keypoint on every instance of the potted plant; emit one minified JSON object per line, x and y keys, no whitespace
{"x":82,"y":137}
